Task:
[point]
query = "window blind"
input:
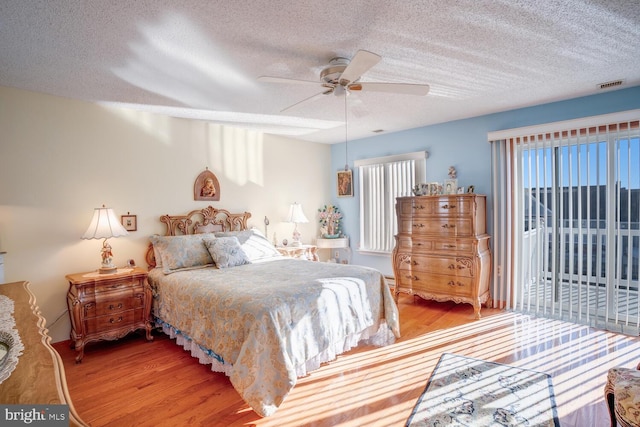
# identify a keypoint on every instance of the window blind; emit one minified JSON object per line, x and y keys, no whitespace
{"x":381,"y":181}
{"x":567,"y":215}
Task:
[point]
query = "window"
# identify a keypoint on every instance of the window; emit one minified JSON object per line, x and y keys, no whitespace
{"x":382,"y":180}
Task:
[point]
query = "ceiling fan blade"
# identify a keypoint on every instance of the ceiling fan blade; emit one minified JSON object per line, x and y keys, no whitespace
{"x":361,"y":62}
{"x":309,"y":99}
{"x":404,"y":88}
{"x":270,"y":79}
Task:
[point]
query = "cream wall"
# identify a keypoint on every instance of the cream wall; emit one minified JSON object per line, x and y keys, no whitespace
{"x":60,"y":158}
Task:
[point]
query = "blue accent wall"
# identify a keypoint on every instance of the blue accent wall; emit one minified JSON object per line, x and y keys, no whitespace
{"x":463,"y":144}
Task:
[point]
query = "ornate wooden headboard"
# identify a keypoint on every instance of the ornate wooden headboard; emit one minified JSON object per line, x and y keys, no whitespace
{"x":207,"y":220}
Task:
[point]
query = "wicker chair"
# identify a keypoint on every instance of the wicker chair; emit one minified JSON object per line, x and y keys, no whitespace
{"x":622,"y":394}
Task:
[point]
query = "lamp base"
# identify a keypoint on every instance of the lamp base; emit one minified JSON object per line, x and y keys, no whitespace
{"x":107,"y":270}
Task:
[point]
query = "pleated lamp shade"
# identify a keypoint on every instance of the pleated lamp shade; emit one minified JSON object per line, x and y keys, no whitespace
{"x":105,"y":225}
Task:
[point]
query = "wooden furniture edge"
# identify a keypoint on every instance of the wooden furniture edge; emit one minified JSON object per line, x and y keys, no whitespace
{"x":61,"y":382}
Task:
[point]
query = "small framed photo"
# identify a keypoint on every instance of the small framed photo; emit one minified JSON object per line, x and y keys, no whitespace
{"x":129,"y":222}
{"x":450,"y":186}
{"x":425,"y":189}
{"x":460,"y":190}
{"x":345,"y":183}
{"x":435,"y":188}
{"x":471,"y":189}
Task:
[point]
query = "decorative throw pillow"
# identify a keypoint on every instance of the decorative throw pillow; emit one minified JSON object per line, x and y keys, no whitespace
{"x":226,"y":251}
{"x":179,"y":253}
{"x":253,"y":243}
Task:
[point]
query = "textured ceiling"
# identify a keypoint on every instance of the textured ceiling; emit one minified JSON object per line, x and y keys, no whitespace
{"x":201,"y":59}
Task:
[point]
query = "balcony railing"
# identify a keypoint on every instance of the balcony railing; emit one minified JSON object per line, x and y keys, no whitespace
{"x":577,"y":281}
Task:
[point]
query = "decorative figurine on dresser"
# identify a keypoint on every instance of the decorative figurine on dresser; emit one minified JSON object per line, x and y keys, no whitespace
{"x":108,"y":306}
{"x":442,"y":249}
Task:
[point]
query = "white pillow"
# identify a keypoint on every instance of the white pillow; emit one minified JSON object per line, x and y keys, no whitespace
{"x":253,"y":243}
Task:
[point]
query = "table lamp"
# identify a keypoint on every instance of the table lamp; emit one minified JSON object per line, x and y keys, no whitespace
{"x":296,"y":216}
{"x":104,"y":225}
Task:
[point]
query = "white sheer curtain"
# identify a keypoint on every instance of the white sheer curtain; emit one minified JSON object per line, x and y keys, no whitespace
{"x":567,"y":218}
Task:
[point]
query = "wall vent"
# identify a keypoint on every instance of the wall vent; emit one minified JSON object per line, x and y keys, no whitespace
{"x":609,"y":85}
{"x":378,"y":131}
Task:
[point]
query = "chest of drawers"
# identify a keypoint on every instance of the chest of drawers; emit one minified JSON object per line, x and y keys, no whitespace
{"x":108,"y":306}
{"x":442,"y":248}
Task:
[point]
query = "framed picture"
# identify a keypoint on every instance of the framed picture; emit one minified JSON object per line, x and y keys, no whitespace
{"x":435,"y":188}
{"x":460,"y":190}
{"x":129,"y":222}
{"x":471,"y":189}
{"x":206,"y":186}
{"x":450,"y":186}
{"x":345,"y":183}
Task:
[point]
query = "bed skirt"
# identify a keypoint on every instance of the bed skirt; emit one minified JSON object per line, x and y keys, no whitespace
{"x":378,"y":335}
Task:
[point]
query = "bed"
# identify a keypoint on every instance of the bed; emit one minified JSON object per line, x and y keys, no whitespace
{"x":227,"y":295}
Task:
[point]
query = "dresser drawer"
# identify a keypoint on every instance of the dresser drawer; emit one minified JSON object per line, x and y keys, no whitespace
{"x":117,"y":285}
{"x":445,"y":227}
{"x":424,"y":245}
{"x":454,"y":206}
{"x":455,"y":266}
{"x":111,"y":306}
{"x":415,"y":206}
{"x":445,"y":285}
{"x":111,"y":321}
{"x":436,"y":206}
{"x":454,"y":245}
{"x":425,"y":283}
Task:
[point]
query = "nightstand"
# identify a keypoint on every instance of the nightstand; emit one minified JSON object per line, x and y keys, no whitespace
{"x":108,"y":306}
{"x":302,"y":251}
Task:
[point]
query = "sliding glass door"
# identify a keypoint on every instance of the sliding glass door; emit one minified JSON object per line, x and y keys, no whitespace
{"x":576,"y":216}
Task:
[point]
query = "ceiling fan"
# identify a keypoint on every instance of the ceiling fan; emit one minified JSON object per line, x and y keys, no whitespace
{"x":342,"y":76}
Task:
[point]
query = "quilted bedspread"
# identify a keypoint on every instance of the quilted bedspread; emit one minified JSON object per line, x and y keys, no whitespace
{"x":266,"y":320}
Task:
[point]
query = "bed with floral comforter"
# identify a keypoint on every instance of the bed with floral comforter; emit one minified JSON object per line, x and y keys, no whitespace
{"x":263,"y":319}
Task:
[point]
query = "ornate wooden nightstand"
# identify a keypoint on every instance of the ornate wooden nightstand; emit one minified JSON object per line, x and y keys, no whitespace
{"x":108,"y":306}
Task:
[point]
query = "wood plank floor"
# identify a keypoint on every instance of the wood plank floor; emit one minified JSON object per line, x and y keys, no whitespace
{"x":133,"y":382}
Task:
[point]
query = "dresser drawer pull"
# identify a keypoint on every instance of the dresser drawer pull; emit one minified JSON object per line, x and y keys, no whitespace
{"x":449,"y":246}
{"x":412,"y":277}
{"x":453,"y":267}
{"x":114,"y":286}
{"x":113,"y":307}
{"x":448,"y":226}
{"x":452,"y":283}
{"x":418,"y":225}
{"x":418,"y":207}
{"x":118,"y":320}
{"x":449,"y":207}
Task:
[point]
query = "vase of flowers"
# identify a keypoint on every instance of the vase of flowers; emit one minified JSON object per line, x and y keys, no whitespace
{"x":330,"y":217}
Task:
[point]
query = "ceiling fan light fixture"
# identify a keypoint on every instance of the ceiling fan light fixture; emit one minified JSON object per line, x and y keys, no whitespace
{"x":342,"y":75}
